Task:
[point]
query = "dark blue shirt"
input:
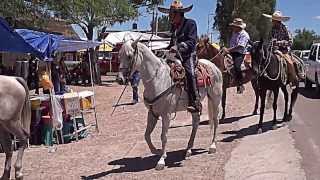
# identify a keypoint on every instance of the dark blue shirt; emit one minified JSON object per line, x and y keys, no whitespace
{"x":187,"y":33}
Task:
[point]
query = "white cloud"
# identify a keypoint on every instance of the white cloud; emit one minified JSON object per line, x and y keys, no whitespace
{"x":317,"y":17}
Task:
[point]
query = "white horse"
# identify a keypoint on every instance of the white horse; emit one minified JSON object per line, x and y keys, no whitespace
{"x":15,"y":119}
{"x":163,"y":98}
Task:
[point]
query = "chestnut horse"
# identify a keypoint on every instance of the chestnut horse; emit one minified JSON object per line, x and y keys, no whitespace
{"x":205,"y":50}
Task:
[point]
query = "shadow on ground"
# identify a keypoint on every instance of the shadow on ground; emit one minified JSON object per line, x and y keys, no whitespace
{"x":139,"y":164}
{"x":311,"y":93}
{"x":251,"y":130}
{"x":233,"y":119}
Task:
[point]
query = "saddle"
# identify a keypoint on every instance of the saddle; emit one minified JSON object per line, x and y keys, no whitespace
{"x":204,"y":74}
{"x":291,"y":65}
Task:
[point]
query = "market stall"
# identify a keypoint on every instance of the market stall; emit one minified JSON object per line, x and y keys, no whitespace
{"x":49,"y":45}
{"x":44,"y":46}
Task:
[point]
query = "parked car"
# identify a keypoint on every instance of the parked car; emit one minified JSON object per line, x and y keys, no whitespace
{"x":303,"y":54}
{"x":313,"y":66}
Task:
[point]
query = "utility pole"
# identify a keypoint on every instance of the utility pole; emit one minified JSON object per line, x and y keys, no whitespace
{"x":208,"y":30}
{"x":156,"y":9}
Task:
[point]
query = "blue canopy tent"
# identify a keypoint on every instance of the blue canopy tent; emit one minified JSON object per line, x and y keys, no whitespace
{"x":45,"y":43}
{"x":48,"y":44}
{"x":13,"y":42}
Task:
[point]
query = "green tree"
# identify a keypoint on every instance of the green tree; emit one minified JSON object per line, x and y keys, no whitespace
{"x":163,"y":24}
{"x":30,"y":13}
{"x":250,"y":11}
{"x":92,"y":14}
{"x":303,"y":39}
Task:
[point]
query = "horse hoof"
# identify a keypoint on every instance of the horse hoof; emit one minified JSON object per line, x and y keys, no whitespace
{"x":255,"y":113}
{"x":223,"y":116}
{"x":274,"y":127}
{"x":4,"y":178}
{"x":287,"y":118}
{"x":188,"y":153}
{"x":212,"y":150}
{"x":19,"y":178}
{"x":159,"y":167}
{"x":156,"y":151}
{"x":259,"y":131}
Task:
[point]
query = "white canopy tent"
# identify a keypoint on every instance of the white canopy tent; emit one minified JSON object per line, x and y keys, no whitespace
{"x":120,"y":37}
{"x":74,"y":45}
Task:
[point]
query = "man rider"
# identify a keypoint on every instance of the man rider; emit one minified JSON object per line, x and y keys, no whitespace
{"x":183,"y":41}
{"x":283,"y":41}
{"x":238,"y":48}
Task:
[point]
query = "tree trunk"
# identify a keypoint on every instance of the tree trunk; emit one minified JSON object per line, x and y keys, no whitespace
{"x":95,"y":67}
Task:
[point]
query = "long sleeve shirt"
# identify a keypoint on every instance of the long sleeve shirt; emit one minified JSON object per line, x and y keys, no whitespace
{"x":282,"y":34}
{"x":186,"y":33}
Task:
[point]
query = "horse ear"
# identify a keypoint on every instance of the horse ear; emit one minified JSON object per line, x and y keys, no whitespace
{"x":135,"y":42}
{"x":206,"y":39}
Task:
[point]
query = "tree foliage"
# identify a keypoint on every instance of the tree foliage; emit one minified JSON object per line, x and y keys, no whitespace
{"x":30,"y":13}
{"x":163,"y":24}
{"x":89,"y":14}
{"x":250,"y":11}
{"x":304,"y":38}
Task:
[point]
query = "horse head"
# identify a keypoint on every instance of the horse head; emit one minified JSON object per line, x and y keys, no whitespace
{"x":129,"y":58}
{"x":258,"y":53}
{"x":205,"y":50}
{"x":263,"y":59}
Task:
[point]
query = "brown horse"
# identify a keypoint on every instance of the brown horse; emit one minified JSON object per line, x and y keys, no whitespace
{"x":15,"y":119}
{"x":207,"y":51}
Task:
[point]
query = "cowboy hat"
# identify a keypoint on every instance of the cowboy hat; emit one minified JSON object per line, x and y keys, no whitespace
{"x":176,"y":6}
{"x":238,"y":22}
{"x":277,"y":16}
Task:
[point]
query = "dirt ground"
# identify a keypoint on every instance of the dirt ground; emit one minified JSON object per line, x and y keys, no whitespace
{"x":120,"y":152}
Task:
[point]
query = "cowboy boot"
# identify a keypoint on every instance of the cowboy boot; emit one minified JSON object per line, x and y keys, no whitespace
{"x":194,"y":104}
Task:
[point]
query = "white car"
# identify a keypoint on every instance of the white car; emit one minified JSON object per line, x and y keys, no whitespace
{"x":313,"y":66}
{"x":302,"y":54}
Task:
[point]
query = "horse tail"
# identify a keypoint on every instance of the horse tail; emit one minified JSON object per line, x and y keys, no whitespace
{"x":214,"y":99}
{"x":26,"y":109}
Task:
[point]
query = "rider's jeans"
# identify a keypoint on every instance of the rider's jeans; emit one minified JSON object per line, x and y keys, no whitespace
{"x":238,"y":59}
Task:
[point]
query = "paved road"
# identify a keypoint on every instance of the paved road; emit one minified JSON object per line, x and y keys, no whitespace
{"x":305,"y":129}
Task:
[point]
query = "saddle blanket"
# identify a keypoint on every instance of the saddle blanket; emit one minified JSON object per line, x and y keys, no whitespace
{"x":203,"y":72}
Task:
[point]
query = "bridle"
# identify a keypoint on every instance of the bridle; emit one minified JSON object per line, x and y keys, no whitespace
{"x":267,"y":59}
{"x":206,"y":47}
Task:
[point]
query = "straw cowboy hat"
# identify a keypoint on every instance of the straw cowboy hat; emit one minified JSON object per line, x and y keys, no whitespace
{"x":238,"y":22}
{"x":277,"y":16}
{"x":176,"y":6}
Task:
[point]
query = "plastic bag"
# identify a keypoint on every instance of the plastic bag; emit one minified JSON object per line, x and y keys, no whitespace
{"x":57,"y":118}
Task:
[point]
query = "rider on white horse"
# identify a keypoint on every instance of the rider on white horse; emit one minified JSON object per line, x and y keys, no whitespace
{"x":183,"y":40}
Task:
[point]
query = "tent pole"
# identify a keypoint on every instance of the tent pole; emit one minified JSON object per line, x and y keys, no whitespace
{"x":48,"y":69}
{"x":94,"y":100}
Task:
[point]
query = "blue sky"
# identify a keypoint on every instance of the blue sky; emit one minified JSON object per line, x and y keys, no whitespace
{"x":303,"y":13}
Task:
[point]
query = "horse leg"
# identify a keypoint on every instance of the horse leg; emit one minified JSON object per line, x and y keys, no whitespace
{"x":270,"y":99}
{"x":262,"y":106}
{"x":165,"y":128}
{"x":294,"y":96}
{"x":6,"y":143}
{"x":256,"y":92}
{"x":195,"y":125}
{"x":286,"y":100}
{"x":213,"y":112}
{"x":151,"y":124}
{"x":16,"y":129}
{"x":275,"y":106}
{"x":224,"y":99}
